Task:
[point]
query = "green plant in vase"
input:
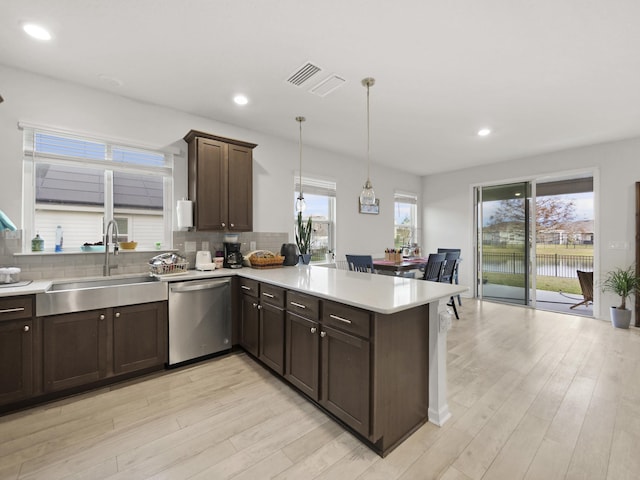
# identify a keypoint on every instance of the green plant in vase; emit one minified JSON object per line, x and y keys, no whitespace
{"x":624,"y":283}
{"x":303,"y":238}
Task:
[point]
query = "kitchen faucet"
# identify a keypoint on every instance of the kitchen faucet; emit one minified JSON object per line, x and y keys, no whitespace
{"x":106,"y":269}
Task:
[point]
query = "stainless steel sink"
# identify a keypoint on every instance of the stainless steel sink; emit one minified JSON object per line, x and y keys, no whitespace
{"x":76,"y":296}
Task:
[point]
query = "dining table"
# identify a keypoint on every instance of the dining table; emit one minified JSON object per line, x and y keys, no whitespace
{"x":405,"y":265}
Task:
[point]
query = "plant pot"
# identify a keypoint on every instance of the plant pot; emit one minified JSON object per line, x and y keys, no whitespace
{"x":620,"y":318}
{"x":305,"y":258}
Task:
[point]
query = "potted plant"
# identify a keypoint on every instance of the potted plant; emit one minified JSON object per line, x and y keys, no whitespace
{"x":622,"y":282}
{"x":303,"y":238}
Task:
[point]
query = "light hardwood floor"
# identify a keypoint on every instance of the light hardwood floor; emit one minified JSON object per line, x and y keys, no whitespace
{"x":534,"y":395}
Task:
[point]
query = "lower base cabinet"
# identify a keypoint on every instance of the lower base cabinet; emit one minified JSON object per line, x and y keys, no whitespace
{"x":75,"y":349}
{"x":84,"y":347}
{"x":139,"y":337}
{"x":346,"y":378}
{"x":16,"y":360}
{"x":302,"y":354}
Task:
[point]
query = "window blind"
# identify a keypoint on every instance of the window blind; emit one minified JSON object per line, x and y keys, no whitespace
{"x":316,"y":186}
{"x":402,"y":197}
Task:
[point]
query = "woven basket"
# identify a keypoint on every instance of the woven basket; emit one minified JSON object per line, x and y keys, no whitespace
{"x":262,"y":262}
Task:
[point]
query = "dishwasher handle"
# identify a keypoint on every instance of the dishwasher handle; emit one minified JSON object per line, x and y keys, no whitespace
{"x":186,"y":287}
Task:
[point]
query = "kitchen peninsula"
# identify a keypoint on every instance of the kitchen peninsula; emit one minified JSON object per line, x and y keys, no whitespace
{"x":370,"y":350}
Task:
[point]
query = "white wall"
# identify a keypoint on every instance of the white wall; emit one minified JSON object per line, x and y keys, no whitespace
{"x":47,"y":102}
{"x":448,"y":200}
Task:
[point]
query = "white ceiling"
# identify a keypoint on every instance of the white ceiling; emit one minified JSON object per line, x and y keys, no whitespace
{"x":544,"y":75}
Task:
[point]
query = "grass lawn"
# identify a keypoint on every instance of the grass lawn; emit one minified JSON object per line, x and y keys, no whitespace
{"x":582,"y":250}
{"x":552,"y":284}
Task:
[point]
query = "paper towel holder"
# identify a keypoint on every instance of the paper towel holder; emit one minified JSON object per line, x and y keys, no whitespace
{"x":184,"y":214}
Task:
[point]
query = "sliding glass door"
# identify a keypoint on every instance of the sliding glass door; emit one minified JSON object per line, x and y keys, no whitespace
{"x":504,"y":242}
{"x":532,"y":239}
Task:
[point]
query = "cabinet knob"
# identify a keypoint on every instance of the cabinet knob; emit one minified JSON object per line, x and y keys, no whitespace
{"x":117,"y":314}
{"x":255,"y":305}
{"x":101,"y":317}
{"x":314,"y":329}
{"x":259,"y":307}
{"x":323,"y":334}
{"x":26,"y":328}
{"x":224,"y":224}
{"x":232,"y":225}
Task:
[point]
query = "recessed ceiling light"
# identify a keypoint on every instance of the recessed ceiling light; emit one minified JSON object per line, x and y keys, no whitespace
{"x":483,"y":132}
{"x":36,"y":31}
{"x":241,"y":99}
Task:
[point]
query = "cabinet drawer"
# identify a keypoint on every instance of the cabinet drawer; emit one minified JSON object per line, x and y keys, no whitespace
{"x":13,"y":308}
{"x":346,"y":318}
{"x":249,"y":287}
{"x":272,"y":295}
{"x":303,"y":305}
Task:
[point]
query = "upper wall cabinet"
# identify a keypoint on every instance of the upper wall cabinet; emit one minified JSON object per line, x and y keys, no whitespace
{"x":220,"y":182}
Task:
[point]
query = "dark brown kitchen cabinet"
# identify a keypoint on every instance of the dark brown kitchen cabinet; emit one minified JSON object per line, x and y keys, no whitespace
{"x":16,"y":348}
{"x":272,"y":325}
{"x":84,"y":347}
{"x":249,"y":331}
{"x":346,"y":378}
{"x":302,"y":354}
{"x":139,"y":337}
{"x":220,"y":182}
{"x":75,"y":349}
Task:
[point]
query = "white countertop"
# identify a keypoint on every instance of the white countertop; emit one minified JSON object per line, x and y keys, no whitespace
{"x":379,"y":293}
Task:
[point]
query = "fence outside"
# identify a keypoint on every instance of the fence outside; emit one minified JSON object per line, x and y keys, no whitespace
{"x":550,"y":265}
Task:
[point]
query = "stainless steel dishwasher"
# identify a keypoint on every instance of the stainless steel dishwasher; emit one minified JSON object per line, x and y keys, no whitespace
{"x":199,"y":318}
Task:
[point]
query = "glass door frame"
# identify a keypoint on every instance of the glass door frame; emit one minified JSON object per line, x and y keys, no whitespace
{"x":526,"y":187}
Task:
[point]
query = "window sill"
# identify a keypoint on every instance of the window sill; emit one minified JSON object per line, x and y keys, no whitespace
{"x":80,"y":252}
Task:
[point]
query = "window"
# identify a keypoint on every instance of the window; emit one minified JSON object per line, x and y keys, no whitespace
{"x":78,"y":182}
{"x":320,"y":198}
{"x":406,"y":219}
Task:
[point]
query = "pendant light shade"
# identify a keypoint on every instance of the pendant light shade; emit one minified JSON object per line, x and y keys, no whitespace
{"x":300,"y":203}
{"x":368,"y":196}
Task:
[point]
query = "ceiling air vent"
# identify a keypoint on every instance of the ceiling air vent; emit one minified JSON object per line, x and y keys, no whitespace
{"x":327,"y":86}
{"x":303,"y":74}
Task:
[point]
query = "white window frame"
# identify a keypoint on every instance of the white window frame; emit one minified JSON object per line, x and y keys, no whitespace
{"x":315,"y":185}
{"x":31,"y":157}
{"x":411,"y":199}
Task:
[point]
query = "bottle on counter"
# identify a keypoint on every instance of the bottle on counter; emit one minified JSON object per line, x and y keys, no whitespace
{"x":59,"y":238}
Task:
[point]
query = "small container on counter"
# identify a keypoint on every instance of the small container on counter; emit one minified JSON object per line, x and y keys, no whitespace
{"x":9,"y":274}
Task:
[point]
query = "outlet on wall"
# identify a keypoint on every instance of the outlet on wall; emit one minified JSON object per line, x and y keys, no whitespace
{"x":252,"y":246}
{"x":205,"y":245}
{"x":189,"y":247}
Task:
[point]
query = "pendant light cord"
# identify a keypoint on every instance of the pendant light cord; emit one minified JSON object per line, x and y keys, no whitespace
{"x":300,"y":119}
{"x":368,"y":138}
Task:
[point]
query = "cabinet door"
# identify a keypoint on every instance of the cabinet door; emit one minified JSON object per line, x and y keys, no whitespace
{"x":272,"y":337}
{"x":240,"y":188}
{"x":16,"y":360}
{"x":302,"y":349}
{"x":208,"y":180}
{"x":346,"y":378}
{"x":139,"y":336}
{"x":249,"y":325}
{"x":75,"y":349}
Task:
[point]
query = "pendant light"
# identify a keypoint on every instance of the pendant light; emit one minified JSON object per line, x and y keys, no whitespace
{"x":368,"y":196}
{"x":300,"y":203}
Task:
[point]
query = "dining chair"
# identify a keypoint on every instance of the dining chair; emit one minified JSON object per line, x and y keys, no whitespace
{"x":448,"y":274}
{"x":360,"y":263}
{"x":455,"y":277}
{"x":433,"y":268}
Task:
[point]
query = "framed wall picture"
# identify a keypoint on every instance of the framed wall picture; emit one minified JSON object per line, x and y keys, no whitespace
{"x":371,"y":209}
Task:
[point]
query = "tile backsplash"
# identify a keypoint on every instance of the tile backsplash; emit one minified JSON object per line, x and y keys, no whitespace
{"x":35,"y":266}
